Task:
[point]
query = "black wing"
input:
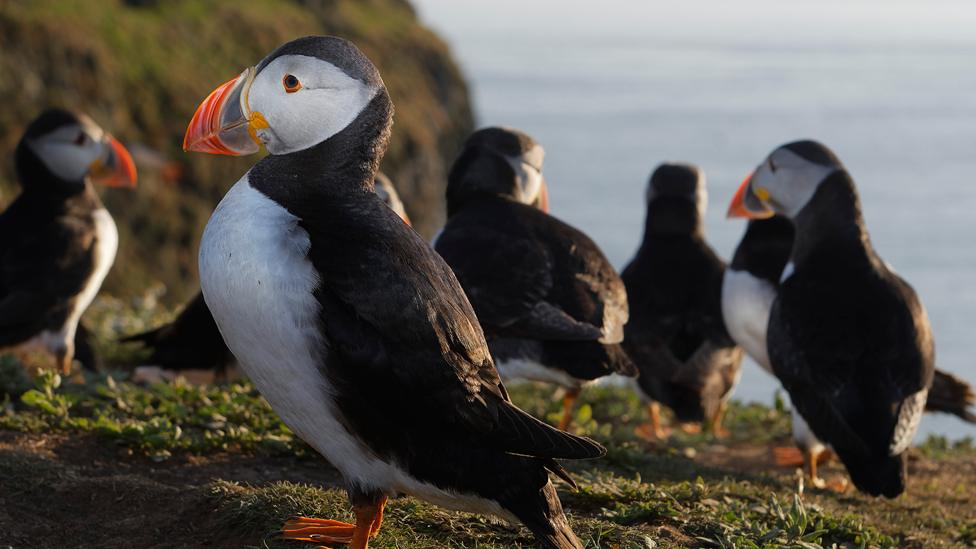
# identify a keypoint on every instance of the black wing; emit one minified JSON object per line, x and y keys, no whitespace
{"x":856,"y":356}
{"x":674,"y":288}
{"x":44,"y":263}
{"x":531,"y":276}
{"x":397,"y":315}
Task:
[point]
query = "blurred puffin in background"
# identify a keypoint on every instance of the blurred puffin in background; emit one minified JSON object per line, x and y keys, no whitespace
{"x":748,"y":290}
{"x":191,"y":345}
{"x":551,"y":305}
{"x":847,"y":337}
{"x":348,"y":323}
{"x":57,"y":240}
{"x":676,"y":336}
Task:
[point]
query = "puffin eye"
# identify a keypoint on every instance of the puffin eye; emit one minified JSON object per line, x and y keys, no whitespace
{"x":291,"y":83}
{"x":772,"y":167}
{"x":81,"y":139}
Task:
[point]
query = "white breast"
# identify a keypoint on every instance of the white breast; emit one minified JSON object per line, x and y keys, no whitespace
{"x":746,"y":304}
{"x":259,"y":283}
{"x":104,"y":247}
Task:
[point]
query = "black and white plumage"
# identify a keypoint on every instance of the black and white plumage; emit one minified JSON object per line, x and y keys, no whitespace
{"x":349,"y":324}
{"x":676,"y":336}
{"x":191,"y":341}
{"x":748,"y":290}
{"x":57,"y":241}
{"x":551,"y":304}
{"x":847,"y":337}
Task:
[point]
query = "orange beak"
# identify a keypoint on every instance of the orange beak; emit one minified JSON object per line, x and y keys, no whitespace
{"x":406,"y":219}
{"x":222,"y":123}
{"x":746,"y":204}
{"x":543,"y":199}
{"x":118,"y":169}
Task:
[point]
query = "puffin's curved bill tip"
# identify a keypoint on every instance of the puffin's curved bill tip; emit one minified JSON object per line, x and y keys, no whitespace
{"x":219,"y":125}
{"x":739,"y":207}
{"x":118,"y":169}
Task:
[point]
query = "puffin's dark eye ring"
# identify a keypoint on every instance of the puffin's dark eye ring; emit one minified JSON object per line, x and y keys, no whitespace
{"x":81,"y":139}
{"x":291,"y":83}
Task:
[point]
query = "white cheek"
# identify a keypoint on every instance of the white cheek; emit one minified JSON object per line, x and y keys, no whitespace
{"x":67,"y":161}
{"x":328,"y":102}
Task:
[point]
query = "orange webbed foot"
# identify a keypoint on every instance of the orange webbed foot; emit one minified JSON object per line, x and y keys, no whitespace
{"x":317,"y":530}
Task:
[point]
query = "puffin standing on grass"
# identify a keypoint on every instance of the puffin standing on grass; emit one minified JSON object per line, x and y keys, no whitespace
{"x":191,"y":345}
{"x":847,"y":337}
{"x":351,"y":326}
{"x":551,"y":304}
{"x":676,"y":336}
{"x":57,"y":241}
{"x":748,"y":290}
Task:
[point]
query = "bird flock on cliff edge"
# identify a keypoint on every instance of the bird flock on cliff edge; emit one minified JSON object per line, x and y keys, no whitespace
{"x":389,"y":355}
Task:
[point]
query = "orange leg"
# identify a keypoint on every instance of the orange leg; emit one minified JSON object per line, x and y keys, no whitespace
{"x":716,"y":424}
{"x":368,"y":521}
{"x":653,"y":431}
{"x":65,"y":359}
{"x":569,"y":401}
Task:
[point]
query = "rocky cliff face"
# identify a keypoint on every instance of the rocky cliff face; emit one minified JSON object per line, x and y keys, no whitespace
{"x":140,"y":67}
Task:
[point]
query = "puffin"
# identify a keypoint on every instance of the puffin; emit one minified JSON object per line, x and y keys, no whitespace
{"x":348,"y":323}
{"x":676,"y":337}
{"x":847,"y":337}
{"x":552,"y":306}
{"x":748,"y":290}
{"x":191,"y":345}
{"x":57,"y":240}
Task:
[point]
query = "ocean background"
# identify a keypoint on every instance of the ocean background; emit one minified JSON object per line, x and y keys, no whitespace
{"x":613,"y":88}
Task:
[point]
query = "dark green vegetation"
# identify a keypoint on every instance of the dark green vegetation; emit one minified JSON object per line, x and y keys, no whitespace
{"x":173,"y":465}
{"x":140,"y":68}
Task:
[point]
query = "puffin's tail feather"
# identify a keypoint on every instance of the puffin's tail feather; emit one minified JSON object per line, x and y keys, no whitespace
{"x":547,"y":520}
{"x":520,"y":433}
{"x":951,"y":395}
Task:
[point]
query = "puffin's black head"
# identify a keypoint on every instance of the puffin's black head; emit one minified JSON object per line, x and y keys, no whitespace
{"x":676,"y":198}
{"x":300,"y":95}
{"x":387,"y":192}
{"x":498,"y":162}
{"x":61,"y":150}
{"x":785,"y":181}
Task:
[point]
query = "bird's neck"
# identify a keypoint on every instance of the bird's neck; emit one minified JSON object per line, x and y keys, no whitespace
{"x":345,"y":163}
{"x":831,"y":224}
{"x":765,"y":249}
{"x":670,"y":217}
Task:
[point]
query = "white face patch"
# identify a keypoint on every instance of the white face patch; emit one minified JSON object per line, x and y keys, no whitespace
{"x":326,"y":102}
{"x":790,"y":181}
{"x":69,"y":151}
{"x":528,"y":172}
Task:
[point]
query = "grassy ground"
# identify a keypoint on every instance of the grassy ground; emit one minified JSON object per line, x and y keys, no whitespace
{"x":111,"y":464}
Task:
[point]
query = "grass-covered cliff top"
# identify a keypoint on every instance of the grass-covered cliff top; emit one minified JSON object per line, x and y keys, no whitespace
{"x":175,"y":465}
{"x":141,"y":67}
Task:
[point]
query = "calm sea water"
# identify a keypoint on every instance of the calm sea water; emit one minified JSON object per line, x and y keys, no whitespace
{"x":613,"y":88}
